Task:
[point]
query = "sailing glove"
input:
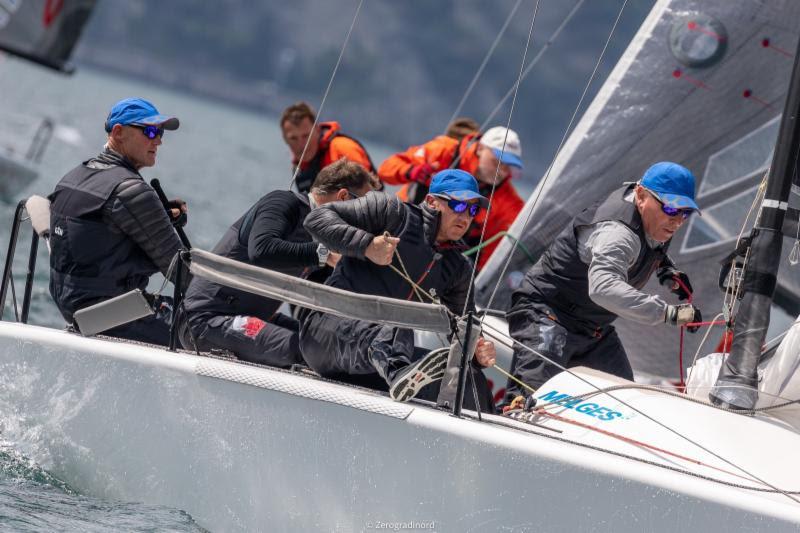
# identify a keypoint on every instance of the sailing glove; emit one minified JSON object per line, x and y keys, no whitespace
{"x":179,"y":205}
{"x":678,"y":315}
{"x":668,"y":276}
{"x":421,"y":173}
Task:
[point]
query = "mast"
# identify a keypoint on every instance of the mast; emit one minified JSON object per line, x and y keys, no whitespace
{"x":737,"y":383}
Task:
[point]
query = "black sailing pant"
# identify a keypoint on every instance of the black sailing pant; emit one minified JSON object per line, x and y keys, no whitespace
{"x":251,"y":339}
{"x":339,"y":347}
{"x":368,"y":354}
{"x":532,"y":324}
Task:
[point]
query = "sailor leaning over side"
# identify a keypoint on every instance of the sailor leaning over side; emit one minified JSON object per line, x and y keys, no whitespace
{"x":325,"y":141}
{"x":271,"y":235}
{"x":109,"y":230}
{"x":594,"y":271}
{"x":420,"y":240}
{"x":496,"y":152}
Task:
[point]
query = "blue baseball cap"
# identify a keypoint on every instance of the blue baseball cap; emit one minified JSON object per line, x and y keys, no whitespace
{"x":141,"y":112}
{"x":458,"y":185}
{"x":671,"y":183}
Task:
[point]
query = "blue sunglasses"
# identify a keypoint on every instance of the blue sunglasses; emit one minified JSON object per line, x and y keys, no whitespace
{"x":671,"y":211}
{"x":151,"y":132}
{"x":459,"y":206}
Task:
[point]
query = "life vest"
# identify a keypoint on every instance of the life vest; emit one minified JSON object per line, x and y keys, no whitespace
{"x":329,"y":131}
{"x":561,"y":280}
{"x":90,"y":261}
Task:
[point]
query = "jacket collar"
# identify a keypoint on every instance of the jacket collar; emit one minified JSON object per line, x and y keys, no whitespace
{"x":108,"y":158}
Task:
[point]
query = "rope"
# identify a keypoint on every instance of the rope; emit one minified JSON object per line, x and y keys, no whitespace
{"x":325,"y":96}
{"x":502,"y":151}
{"x":636,"y":442}
{"x":502,"y":422}
{"x":689,"y":299}
{"x":700,"y":347}
{"x":642,"y":413}
{"x":500,"y":235}
{"x":485,"y":61}
{"x":546,"y":177}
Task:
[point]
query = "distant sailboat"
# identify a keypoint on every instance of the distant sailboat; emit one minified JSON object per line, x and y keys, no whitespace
{"x":45,"y":33}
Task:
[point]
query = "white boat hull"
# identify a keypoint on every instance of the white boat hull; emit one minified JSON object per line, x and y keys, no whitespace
{"x":243,"y":448}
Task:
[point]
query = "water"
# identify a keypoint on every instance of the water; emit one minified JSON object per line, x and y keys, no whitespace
{"x":220,"y":161}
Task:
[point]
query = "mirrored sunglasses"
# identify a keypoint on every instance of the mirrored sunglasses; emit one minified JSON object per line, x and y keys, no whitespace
{"x":151,"y":132}
{"x":671,"y":211}
{"x":459,"y":206}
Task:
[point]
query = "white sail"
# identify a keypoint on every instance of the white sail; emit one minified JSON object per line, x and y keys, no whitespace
{"x":702,"y":84}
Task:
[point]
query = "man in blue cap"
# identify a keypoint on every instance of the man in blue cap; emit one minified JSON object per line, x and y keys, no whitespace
{"x":378,"y":230}
{"x":594,"y":271}
{"x":109,"y":230}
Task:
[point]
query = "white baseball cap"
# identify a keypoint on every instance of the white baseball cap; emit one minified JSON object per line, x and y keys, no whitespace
{"x":512,"y":153}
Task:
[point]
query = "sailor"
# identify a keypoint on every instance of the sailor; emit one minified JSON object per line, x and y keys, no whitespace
{"x":496,"y":152}
{"x":270,"y":235}
{"x":422,"y":242}
{"x":327,"y":144}
{"x":109,"y":230}
{"x":594,"y":271}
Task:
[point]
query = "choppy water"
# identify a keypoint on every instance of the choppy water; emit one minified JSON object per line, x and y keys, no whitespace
{"x":221,"y":160}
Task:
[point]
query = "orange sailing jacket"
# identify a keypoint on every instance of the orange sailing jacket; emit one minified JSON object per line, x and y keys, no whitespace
{"x":333,"y":145}
{"x":440,"y":154}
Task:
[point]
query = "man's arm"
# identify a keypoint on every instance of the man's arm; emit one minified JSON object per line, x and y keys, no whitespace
{"x":350,"y":227}
{"x":418,"y":163}
{"x":137,"y":211}
{"x":610,"y":248}
{"x":277,"y":217}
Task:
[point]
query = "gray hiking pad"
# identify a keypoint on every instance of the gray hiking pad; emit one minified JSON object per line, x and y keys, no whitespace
{"x":264,"y":282}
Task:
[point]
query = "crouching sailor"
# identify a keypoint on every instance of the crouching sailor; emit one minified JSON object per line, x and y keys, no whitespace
{"x":421,"y":240}
{"x":109,"y":230}
{"x":271,"y":235}
{"x":594,"y":272}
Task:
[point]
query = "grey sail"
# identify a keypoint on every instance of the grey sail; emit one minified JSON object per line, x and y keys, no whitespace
{"x":703,"y":84}
{"x":43,"y":32}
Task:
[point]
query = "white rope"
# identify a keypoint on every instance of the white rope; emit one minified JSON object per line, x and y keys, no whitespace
{"x":485,"y":61}
{"x":558,"y":150}
{"x":325,"y":96}
{"x":497,"y":169}
{"x":702,"y":342}
{"x":497,"y":336}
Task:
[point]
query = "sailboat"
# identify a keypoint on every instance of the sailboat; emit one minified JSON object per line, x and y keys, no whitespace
{"x":44,"y":33}
{"x":249,"y":448}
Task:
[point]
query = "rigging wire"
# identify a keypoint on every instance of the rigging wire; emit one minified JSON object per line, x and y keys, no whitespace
{"x":546,"y":177}
{"x":325,"y":95}
{"x":642,"y":413}
{"x":533,"y":62}
{"x":470,"y":287}
{"x":485,"y":62}
{"x":525,"y":73}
